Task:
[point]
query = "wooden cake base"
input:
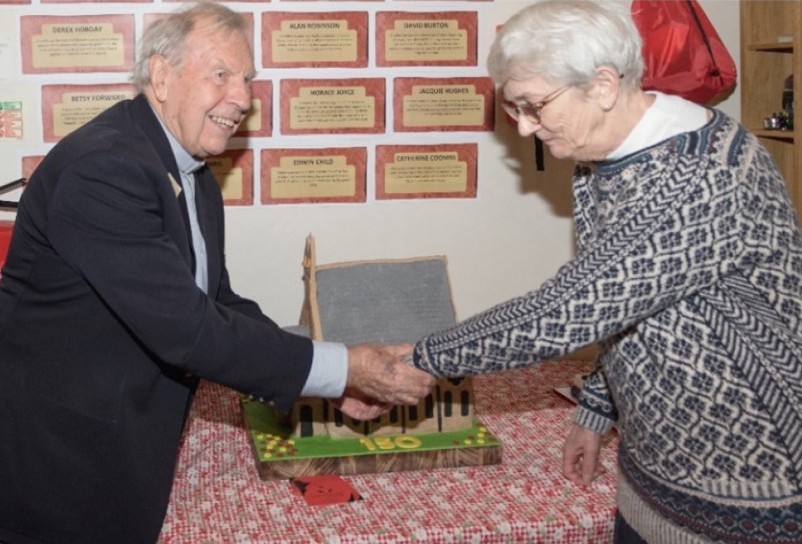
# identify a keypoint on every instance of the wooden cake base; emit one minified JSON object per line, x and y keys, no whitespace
{"x":279,"y":456}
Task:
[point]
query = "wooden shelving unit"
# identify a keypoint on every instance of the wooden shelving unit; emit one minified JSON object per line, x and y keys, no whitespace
{"x":771,"y":50}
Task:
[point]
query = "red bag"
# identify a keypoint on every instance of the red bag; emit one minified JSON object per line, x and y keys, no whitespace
{"x":684,"y":54}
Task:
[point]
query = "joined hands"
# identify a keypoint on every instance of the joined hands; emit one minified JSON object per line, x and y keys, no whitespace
{"x":378,"y":378}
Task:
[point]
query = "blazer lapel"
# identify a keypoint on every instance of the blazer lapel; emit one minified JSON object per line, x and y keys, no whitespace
{"x":207,"y":203}
{"x":186,"y":248}
{"x":143,"y":115}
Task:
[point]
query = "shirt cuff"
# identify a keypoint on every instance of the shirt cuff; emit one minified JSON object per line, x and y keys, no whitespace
{"x":329,"y":370}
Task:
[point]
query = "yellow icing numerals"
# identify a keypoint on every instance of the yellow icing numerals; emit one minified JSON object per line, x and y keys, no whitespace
{"x":407,"y":442}
{"x":391,"y":443}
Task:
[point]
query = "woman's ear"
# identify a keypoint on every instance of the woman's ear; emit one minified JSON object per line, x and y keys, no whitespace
{"x":608,"y":82}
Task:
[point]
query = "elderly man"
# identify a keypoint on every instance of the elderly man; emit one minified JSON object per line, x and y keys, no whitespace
{"x":115,"y":299}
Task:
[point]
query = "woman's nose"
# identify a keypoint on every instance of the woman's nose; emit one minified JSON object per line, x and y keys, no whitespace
{"x":527,"y":126}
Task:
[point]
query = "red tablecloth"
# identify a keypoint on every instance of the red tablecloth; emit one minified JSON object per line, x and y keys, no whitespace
{"x":218,"y":496}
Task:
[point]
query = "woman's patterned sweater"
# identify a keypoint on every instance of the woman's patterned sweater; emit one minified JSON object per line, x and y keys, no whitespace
{"x":688,"y":274}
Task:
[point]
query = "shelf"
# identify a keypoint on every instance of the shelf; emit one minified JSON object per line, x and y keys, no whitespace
{"x":779,"y":47}
{"x":776,"y":134}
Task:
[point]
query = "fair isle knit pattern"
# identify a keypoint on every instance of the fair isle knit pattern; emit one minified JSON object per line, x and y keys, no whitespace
{"x":689,"y":275}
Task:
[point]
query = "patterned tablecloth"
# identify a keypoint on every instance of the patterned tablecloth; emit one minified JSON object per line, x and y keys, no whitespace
{"x":219,"y":498}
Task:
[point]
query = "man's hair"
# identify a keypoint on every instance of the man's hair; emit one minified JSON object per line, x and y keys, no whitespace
{"x":167,"y":36}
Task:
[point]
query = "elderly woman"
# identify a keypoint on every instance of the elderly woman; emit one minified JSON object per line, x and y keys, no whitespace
{"x":688,"y":276}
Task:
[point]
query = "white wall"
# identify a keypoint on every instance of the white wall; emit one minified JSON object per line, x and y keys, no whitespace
{"x":507,"y":241}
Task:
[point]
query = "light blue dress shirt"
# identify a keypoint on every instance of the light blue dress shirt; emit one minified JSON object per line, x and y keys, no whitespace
{"x":329,"y":371}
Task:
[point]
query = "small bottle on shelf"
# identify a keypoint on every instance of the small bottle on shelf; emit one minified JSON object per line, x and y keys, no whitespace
{"x":788,"y":102}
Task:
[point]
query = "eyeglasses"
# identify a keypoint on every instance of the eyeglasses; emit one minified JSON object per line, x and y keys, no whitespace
{"x":531,"y":111}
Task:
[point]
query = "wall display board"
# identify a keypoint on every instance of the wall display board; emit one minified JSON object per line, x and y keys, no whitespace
{"x":332,"y":106}
{"x":67,"y":107}
{"x":438,"y":171}
{"x":305,"y":40}
{"x":91,"y":43}
{"x":233,"y":170}
{"x":377,"y":75}
{"x":259,"y":123}
{"x":313,"y":175}
{"x":429,"y":104}
{"x":426,"y":38}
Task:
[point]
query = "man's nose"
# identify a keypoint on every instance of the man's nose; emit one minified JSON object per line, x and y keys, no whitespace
{"x":240,"y":94}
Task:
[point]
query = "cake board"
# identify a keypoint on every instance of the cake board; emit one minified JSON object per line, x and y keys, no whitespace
{"x":280,"y":456}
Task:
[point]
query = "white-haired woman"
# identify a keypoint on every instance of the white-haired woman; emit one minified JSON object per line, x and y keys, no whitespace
{"x":688,"y":275}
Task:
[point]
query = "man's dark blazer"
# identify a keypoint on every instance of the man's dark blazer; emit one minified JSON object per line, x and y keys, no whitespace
{"x":103,"y":334}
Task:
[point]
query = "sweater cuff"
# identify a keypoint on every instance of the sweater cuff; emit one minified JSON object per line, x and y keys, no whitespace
{"x":593,"y":421}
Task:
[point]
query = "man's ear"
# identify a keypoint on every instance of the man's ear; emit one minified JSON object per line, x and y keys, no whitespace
{"x":608,"y":82}
{"x":159,"y":70}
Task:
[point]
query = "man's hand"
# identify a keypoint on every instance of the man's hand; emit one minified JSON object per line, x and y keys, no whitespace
{"x":378,"y":372}
{"x":355,"y":404}
{"x":581,"y":455}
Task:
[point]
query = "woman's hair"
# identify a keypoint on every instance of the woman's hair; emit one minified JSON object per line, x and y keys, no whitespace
{"x":167,"y":36}
{"x":566,"y":41}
